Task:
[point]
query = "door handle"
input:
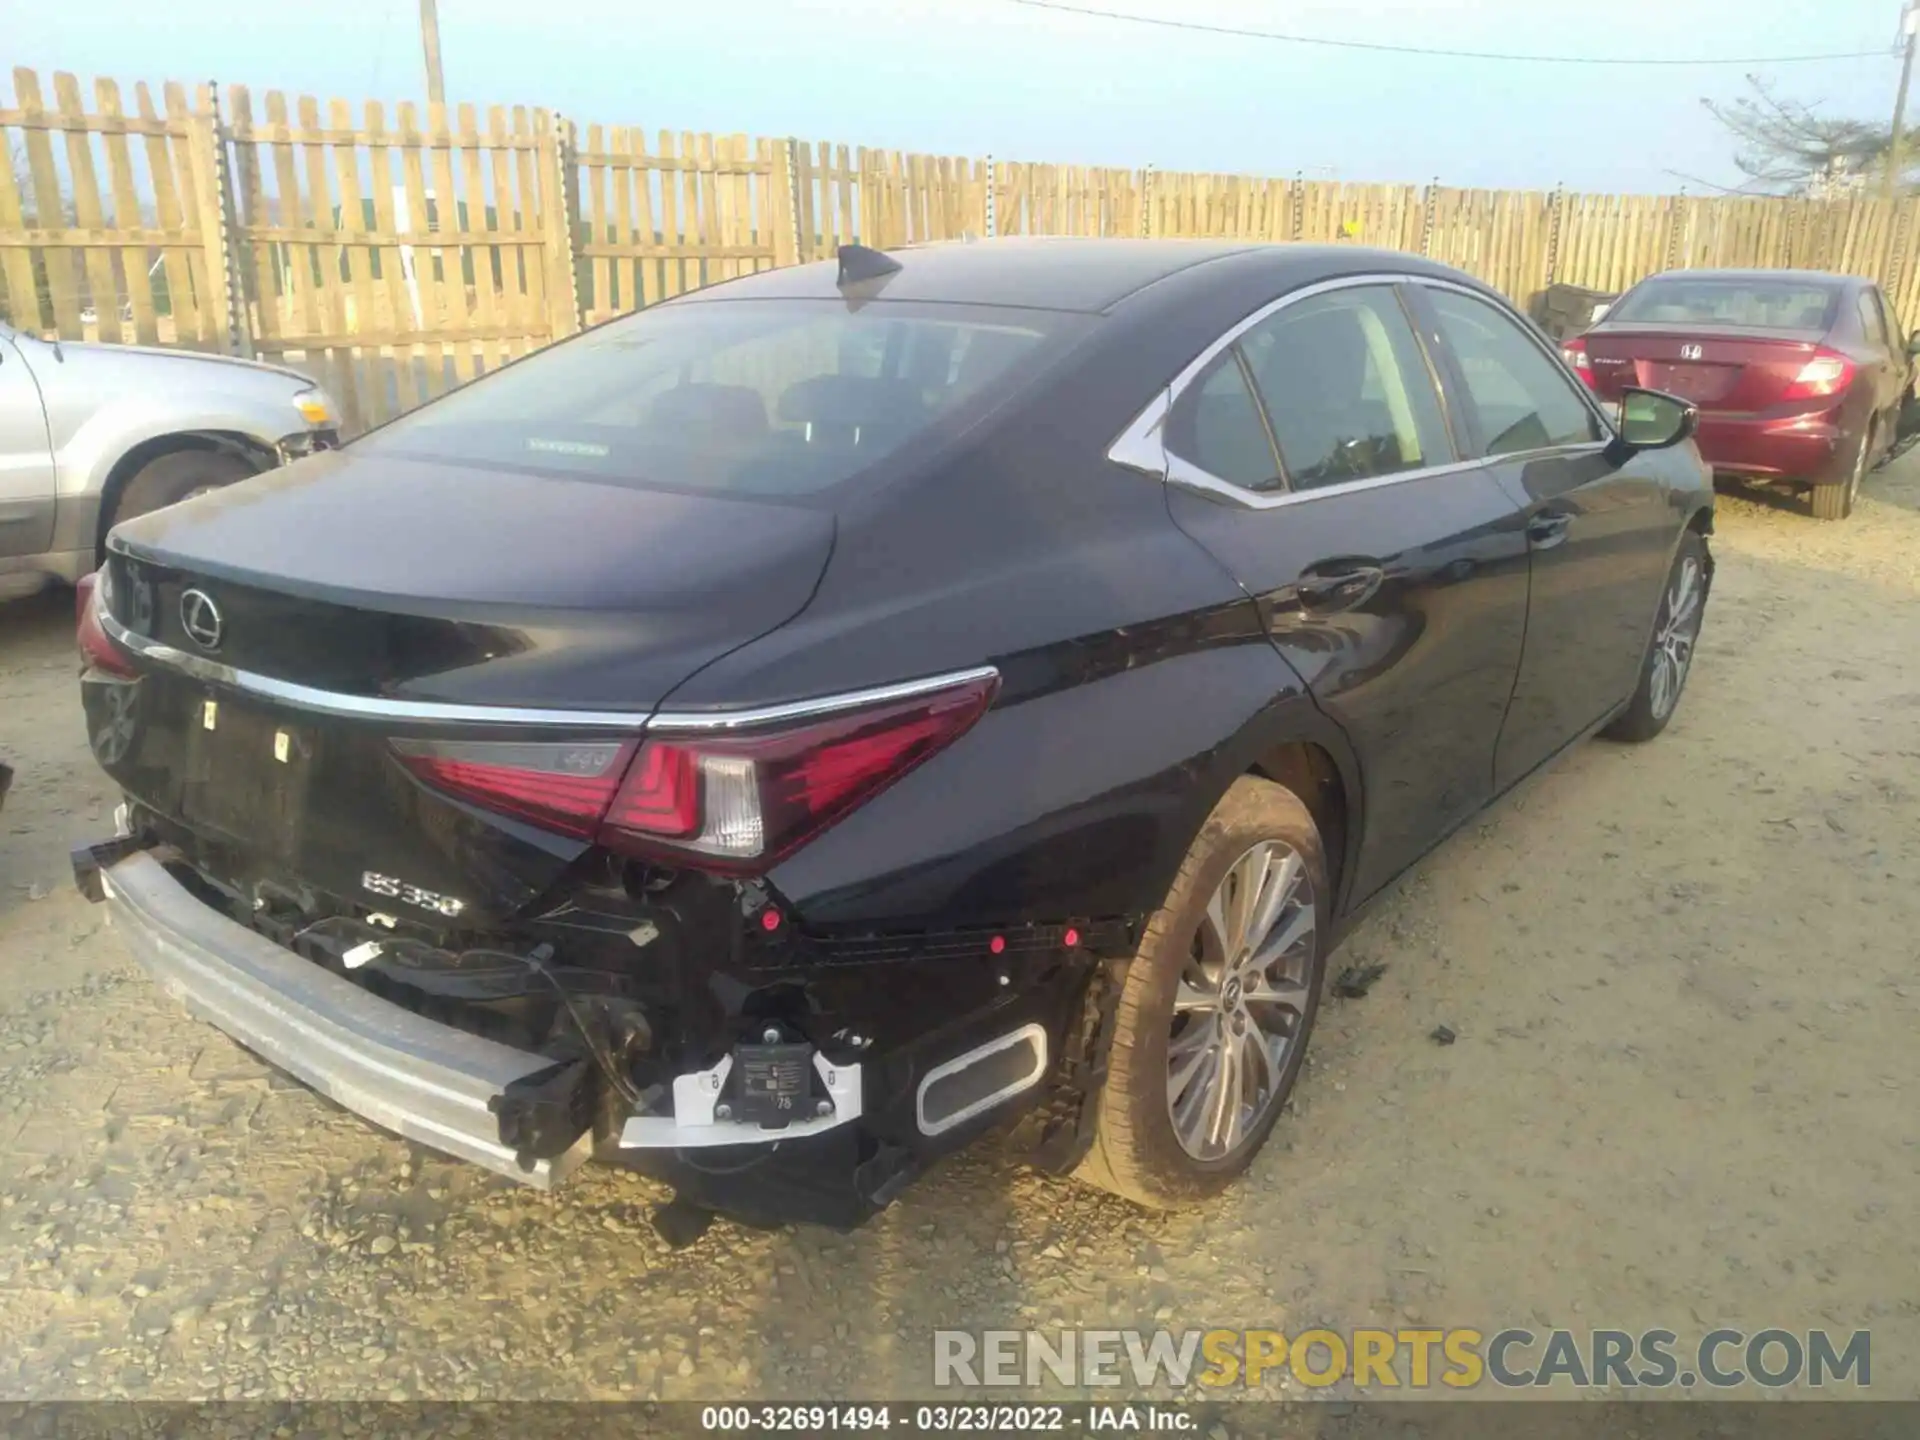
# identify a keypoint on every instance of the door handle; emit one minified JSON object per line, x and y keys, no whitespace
{"x":1546,"y":531}
{"x":1338,"y":585}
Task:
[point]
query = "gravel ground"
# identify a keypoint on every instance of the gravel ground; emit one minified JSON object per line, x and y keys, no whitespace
{"x":1683,"y":1095}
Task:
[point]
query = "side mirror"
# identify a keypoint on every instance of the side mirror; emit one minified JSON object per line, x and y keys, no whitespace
{"x":1653,"y":419}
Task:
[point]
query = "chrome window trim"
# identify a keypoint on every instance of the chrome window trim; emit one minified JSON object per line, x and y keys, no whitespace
{"x":417,"y":712}
{"x":1139,"y":446}
{"x":1142,"y":446}
{"x":1191,"y":477}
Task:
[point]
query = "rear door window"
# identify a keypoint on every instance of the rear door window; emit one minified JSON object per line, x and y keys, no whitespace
{"x":1524,"y":399}
{"x":776,"y":397}
{"x":1347,"y":388}
{"x":1217,"y":425}
{"x":1896,"y":338}
{"x":1872,"y":327}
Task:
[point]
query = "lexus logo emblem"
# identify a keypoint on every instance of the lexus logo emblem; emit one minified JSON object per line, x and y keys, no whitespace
{"x":201,"y":619}
{"x":1690,"y":352}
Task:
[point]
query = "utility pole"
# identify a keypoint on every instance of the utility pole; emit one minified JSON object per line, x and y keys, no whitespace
{"x":437,"y":90}
{"x":1909,"y":28}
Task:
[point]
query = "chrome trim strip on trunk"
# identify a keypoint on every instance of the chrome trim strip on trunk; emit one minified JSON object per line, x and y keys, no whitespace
{"x":443,"y":712}
{"x":678,"y":722}
{"x":359,"y":707}
{"x":413,"y":1076}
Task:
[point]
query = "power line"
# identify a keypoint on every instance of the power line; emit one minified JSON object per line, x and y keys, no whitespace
{"x":1448,"y":54}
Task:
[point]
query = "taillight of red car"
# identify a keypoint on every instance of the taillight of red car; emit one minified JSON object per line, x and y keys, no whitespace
{"x":97,"y":651}
{"x":1828,"y":372}
{"x":1575,"y":352}
{"x":734,"y":801}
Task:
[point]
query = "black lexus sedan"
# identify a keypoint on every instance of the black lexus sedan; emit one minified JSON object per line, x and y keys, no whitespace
{"x":773,"y":738}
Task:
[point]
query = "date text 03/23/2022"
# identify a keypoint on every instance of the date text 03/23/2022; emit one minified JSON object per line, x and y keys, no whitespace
{"x":976,"y":1419}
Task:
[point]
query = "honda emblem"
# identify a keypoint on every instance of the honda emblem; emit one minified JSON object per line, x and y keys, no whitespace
{"x":1690,"y":352}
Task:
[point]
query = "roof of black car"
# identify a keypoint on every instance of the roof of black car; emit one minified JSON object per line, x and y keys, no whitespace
{"x":1040,"y":273}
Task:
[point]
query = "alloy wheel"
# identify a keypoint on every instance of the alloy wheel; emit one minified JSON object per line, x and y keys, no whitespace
{"x":1680,"y":616}
{"x":1241,"y":1001}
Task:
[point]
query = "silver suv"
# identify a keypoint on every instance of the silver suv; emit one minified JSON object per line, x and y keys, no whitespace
{"x":93,"y":434}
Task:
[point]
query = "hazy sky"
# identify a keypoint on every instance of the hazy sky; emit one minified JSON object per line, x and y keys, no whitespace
{"x":990,"y":76}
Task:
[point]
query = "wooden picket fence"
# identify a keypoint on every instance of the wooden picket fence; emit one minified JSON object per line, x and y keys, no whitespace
{"x":394,"y":259}
{"x":396,"y":254}
{"x":166,"y":234}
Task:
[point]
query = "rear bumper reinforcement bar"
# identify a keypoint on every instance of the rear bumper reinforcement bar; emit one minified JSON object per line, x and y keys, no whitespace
{"x":426,"y":1081}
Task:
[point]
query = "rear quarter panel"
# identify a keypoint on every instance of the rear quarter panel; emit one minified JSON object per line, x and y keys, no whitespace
{"x":1138,"y":678}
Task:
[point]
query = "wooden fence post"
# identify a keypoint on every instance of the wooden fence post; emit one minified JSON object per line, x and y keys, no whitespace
{"x":1428,"y":204}
{"x":993,"y":219}
{"x":800,"y":181}
{"x":1555,"y":206}
{"x":1146,"y":202}
{"x":1299,"y":223}
{"x":1680,"y":214}
{"x":796,"y":197}
{"x":219,"y":222}
{"x":554,"y":137}
{"x":1899,"y":244}
{"x":787,"y":246}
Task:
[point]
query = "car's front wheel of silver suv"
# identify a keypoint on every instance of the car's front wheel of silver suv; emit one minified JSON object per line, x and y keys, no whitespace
{"x":178,"y":475}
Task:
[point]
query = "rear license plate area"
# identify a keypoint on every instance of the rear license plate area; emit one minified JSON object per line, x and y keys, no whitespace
{"x":1691,"y":382}
{"x":247,"y":774}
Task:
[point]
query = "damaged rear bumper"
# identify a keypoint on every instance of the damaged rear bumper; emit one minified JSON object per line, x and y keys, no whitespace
{"x":429,"y":1082}
{"x":413,"y":1076}
{"x":773,"y":1131}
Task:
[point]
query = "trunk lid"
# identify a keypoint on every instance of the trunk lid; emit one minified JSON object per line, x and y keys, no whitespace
{"x":1716,"y":367}
{"x":408,"y":581}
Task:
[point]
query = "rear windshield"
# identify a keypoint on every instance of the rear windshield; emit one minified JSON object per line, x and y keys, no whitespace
{"x":1742,"y":304}
{"x":749,"y":396}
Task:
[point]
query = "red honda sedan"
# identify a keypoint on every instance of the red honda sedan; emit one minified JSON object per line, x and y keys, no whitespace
{"x":1799,"y":376}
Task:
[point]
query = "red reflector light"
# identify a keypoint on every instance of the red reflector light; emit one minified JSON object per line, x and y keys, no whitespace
{"x":97,"y":651}
{"x":997,"y":944}
{"x":1828,"y":372}
{"x":740,"y":802}
{"x":769,"y":920}
{"x":1071,"y":938}
{"x":1575,"y":353}
{"x":561,"y":787}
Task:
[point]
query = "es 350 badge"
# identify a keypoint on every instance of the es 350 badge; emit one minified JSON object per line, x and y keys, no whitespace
{"x":400,"y":890}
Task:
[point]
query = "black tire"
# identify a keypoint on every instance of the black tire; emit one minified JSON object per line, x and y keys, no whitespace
{"x":1136,"y":1152}
{"x":1644,"y":716}
{"x":172,"y":477}
{"x":1835,"y":501}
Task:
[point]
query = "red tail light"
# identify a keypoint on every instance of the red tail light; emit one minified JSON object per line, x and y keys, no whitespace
{"x":96,"y":650}
{"x":560,"y":787}
{"x":732,"y":802}
{"x":1827,"y":373}
{"x":1575,"y":352}
{"x":739,"y":803}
